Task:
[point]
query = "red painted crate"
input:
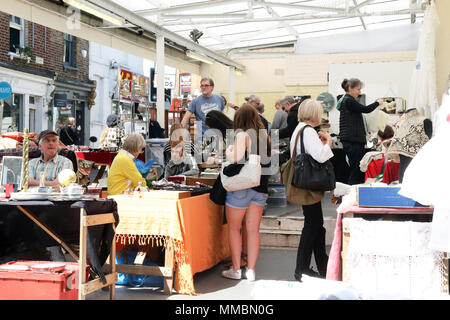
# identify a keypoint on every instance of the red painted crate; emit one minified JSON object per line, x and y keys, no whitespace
{"x":39,"y":280}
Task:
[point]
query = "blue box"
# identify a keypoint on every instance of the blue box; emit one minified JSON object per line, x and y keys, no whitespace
{"x":384,"y":197}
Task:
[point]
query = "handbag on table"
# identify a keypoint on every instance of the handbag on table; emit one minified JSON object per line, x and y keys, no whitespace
{"x":311,"y":174}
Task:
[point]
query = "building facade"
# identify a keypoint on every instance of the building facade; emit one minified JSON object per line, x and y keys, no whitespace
{"x":49,"y":75}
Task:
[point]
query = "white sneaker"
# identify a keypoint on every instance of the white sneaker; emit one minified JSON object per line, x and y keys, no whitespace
{"x":232,"y":274}
{"x":250,"y":274}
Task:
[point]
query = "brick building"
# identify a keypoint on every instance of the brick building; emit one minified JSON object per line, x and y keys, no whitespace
{"x":49,"y":74}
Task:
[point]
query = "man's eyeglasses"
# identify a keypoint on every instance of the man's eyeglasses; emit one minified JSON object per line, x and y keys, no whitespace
{"x":205,"y":85}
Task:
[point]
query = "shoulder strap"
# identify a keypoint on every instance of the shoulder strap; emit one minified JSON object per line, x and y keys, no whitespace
{"x":294,"y":154}
{"x":301,"y":140}
{"x":68,"y":135}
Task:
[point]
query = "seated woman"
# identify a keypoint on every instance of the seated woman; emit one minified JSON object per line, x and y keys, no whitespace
{"x":178,"y":132}
{"x":180,"y":162}
{"x":123,"y":167}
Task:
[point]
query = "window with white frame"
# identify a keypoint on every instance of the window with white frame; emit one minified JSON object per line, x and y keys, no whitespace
{"x":16,"y":33}
{"x":32,"y":113}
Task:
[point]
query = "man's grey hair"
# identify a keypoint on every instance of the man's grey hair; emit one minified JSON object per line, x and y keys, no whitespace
{"x":252,"y":97}
{"x":287,"y":100}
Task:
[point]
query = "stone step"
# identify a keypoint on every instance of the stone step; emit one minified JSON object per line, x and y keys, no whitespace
{"x":284,"y":232}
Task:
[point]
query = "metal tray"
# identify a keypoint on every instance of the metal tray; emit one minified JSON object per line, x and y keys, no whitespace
{"x":31,"y":195}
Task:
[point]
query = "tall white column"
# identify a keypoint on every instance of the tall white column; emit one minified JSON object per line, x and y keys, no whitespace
{"x":204,"y":70}
{"x":232,"y":88}
{"x":160,"y":63}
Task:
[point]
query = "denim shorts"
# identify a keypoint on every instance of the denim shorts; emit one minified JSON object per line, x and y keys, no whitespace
{"x":241,"y":199}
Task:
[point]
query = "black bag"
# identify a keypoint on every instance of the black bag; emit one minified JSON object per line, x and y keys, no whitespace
{"x":310,"y":174}
{"x":218,"y":193}
{"x":155,"y":130}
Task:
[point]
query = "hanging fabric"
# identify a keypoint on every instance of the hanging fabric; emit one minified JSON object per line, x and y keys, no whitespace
{"x":422,"y":91}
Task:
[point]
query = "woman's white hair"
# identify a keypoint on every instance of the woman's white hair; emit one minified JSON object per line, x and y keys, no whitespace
{"x":310,"y":110}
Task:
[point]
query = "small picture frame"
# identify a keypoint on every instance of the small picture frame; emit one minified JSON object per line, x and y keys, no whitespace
{"x":11,"y":172}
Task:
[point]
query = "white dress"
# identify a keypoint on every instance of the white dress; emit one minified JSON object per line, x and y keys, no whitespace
{"x":422,"y":93}
{"x":427,"y":177}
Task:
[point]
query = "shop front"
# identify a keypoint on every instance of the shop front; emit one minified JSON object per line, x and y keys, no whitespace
{"x":72,"y":100}
{"x":26,"y":106}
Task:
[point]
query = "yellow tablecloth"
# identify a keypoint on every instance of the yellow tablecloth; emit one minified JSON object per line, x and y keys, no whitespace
{"x":192,"y":226}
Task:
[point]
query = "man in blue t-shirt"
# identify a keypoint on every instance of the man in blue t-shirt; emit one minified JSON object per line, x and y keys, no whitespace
{"x":203,"y":104}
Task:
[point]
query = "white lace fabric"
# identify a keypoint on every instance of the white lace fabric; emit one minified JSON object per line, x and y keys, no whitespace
{"x":394,"y":257}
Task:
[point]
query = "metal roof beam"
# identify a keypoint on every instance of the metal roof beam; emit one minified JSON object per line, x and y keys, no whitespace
{"x":301,"y":6}
{"x":360,"y":18}
{"x":153,"y":27}
{"x":296,"y":17}
{"x":274,"y":14}
{"x":186,"y":7}
{"x":205,"y":16}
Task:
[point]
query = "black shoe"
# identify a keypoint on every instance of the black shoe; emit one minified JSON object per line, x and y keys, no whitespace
{"x":298,"y":277}
{"x":310,"y":272}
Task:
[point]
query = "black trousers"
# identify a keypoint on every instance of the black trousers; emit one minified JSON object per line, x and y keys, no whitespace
{"x":312,"y":240}
{"x":355,"y":152}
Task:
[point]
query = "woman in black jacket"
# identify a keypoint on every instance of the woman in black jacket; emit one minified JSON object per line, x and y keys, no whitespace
{"x":69,"y":134}
{"x":352,"y":132}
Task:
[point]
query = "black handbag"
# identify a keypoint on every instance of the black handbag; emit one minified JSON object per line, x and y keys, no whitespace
{"x":310,"y":174}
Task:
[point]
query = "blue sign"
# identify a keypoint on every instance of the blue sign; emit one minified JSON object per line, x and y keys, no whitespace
{"x":5,"y":90}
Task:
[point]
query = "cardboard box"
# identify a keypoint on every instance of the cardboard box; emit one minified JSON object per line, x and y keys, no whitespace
{"x":384,"y":197}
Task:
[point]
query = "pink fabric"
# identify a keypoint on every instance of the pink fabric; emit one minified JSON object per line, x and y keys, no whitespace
{"x":334,"y":258}
{"x":334,"y":267}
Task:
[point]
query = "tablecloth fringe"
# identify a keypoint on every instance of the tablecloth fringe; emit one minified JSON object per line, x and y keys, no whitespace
{"x":184,"y":283}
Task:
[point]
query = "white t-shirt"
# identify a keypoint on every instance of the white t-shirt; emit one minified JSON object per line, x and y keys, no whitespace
{"x":313,"y":145}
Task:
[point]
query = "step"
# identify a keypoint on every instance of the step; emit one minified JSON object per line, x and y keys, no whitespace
{"x":276,"y":239}
{"x":284,"y":232}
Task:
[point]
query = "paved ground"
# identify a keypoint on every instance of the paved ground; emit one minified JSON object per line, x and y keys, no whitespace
{"x":272,"y":264}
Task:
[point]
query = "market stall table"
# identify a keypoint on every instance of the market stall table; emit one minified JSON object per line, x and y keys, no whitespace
{"x":92,"y":221}
{"x":335,"y":267}
{"x":386,"y":248}
{"x":189,"y":227}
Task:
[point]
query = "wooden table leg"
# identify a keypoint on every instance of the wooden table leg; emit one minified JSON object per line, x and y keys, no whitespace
{"x":112,"y":258}
{"x":82,"y":260}
{"x":168,"y":262}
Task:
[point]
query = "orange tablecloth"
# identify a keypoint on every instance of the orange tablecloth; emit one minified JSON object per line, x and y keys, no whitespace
{"x":192,"y":226}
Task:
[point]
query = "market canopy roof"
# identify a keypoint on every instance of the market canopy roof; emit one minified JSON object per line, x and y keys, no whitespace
{"x":222,"y":25}
{"x":212,"y":30}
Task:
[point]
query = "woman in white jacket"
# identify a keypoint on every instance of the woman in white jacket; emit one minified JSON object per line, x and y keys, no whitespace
{"x":318,"y":145}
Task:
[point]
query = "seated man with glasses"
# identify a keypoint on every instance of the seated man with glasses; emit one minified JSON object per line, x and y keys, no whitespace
{"x":123,"y":167}
{"x":201,"y":105}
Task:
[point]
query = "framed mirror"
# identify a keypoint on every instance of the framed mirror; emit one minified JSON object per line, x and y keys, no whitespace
{"x":11,"y":172}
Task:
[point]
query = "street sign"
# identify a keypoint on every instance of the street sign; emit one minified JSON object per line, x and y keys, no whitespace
{"x":5,"y":90}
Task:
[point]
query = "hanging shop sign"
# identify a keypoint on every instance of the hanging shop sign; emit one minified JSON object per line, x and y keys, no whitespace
{"x":125,"y":78}
{"x":133,"y":86}
{"x":169,"y":81}
{"x":5,"y":90}
{"x":185,"y":82}
{"x":60,"y":100}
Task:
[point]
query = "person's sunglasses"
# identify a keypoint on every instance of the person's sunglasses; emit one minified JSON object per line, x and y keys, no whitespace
{"x":205,"y":85}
